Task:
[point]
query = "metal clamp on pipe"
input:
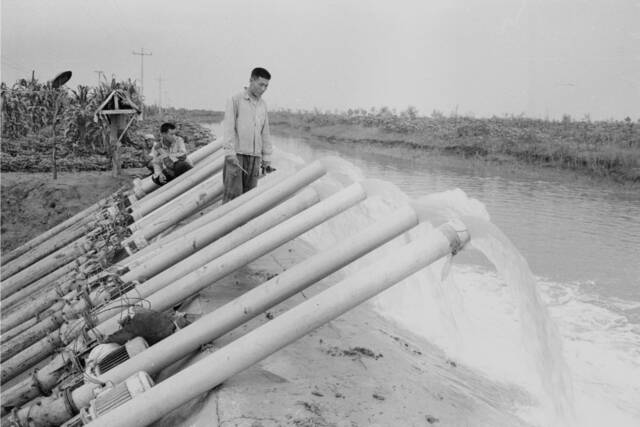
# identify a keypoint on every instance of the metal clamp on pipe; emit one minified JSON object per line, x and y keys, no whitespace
{"x":457,"y":234}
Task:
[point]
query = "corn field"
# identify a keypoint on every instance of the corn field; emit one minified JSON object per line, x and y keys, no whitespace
{"x":33,"y":114}
{"x":28,"y":108}
{"x":27,"y":128}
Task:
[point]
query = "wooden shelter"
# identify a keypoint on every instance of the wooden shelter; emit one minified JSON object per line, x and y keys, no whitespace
{"x":119,"y":111}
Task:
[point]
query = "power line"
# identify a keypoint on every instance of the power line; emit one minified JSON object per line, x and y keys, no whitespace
{"x":160,"y":80}
{"x":142,"y":54}
{"x":100,"y":73}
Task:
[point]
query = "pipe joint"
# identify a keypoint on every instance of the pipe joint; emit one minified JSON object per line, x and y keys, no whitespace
{"x":136,"y":242}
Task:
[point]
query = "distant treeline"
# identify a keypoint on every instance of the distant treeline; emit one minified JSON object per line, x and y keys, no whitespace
{"x":606,"y":148}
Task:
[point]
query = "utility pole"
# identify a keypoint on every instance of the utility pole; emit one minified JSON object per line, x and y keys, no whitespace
{"x":160,"y":80}
{"x":100,"y":73}
{"x":142,"y":54}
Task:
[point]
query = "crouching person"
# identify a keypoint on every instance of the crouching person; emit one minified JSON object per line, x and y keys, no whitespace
{"x":168,"y":156}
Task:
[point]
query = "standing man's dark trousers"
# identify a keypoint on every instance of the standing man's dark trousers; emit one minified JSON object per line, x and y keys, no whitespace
{"x":239,"y":180}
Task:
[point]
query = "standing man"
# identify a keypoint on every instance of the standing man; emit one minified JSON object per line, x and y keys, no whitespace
{"x":168,"y":156}
{"x":247,"y":141}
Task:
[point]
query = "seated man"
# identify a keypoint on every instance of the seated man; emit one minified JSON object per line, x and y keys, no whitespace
{"x":148,"y":142}
{"x":168,"y":156}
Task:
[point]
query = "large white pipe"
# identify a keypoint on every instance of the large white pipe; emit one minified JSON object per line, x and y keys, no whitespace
{"x":166,"y":252}
{"x":211,"y":216}
{"x":171,"y":252}
{"x":33,"y":334}
{"x":80,"y":217}
{"x":60,"y":275}
{"x":191,"y":281}
{"x":26,"y":251}
{"x":203,"y":163}
{"x":45,"y":266}
{"x":28,"y":389}
{"x":47,"y":291}
{"x":45,"y":248}
{"x":75,"y":306}
{"x":178,"y":209}
{"x":14,"y":332}
{"x":163,"y":297}
{"x":79,"y":247}
{"x":183,"y":183}
{"x":214,"y":225}
{"x":141,"y":187}
{"x":249,"y":349}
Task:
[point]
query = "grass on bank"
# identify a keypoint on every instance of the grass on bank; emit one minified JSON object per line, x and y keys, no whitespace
{"x":603,"y":148}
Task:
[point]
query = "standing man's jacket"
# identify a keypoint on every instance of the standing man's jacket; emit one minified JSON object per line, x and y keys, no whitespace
{"x":246,"y":127}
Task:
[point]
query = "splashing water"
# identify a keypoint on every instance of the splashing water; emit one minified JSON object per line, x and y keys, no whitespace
{"x":541,"y":339}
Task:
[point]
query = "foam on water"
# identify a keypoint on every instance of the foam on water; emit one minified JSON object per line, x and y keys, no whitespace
{"x":498,"y":320}
{"x":603,"y":350}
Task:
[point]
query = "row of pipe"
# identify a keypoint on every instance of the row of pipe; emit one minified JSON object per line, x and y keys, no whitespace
{"x":251,"y":348}
{"x":177,"y":266}
{"x":267,"y":339}
{"x":14,"y":366}
{"x":26,"y":316}
{"x":178,"y":249}
{"x":195,"y":239}
{"x":42,"y":245}
{"x":66,"y":234}
{"x":74,"y":302}
{"x":177,"y":273}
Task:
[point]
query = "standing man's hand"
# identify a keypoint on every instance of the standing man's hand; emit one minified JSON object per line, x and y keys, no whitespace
{"x":266,"y":168}
{"x":233,"y":159}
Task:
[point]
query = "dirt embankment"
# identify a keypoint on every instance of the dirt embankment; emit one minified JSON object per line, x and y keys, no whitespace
{"x":32,"y":203}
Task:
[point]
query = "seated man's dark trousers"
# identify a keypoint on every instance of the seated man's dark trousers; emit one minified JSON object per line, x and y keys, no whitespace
{"x":172,"y":170}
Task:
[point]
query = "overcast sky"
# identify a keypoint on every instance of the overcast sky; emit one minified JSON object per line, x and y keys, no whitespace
{"x":542,"y":58}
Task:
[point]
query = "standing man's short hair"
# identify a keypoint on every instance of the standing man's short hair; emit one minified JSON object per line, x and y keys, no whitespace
{"x":164,"y":128}
{"x":260,"y":72}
